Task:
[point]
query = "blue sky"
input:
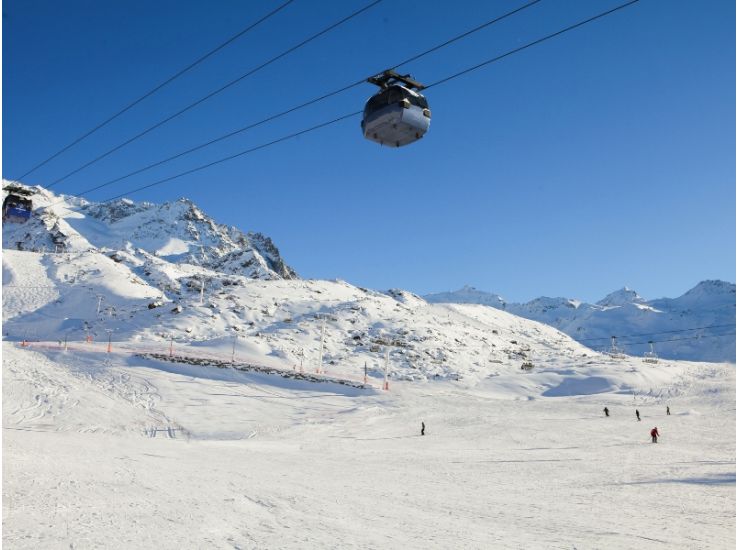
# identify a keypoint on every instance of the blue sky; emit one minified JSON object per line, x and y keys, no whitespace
{"x":602,"y":158}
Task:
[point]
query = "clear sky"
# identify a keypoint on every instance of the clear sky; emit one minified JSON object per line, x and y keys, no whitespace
{"x":602,"y":158}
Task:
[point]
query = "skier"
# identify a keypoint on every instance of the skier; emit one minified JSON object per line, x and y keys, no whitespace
{"x":422,"y":428}
{"x":638,"y":415}
{"x":607,"y":411}
{"x":655,"y":435}
{"x":668,"y":412}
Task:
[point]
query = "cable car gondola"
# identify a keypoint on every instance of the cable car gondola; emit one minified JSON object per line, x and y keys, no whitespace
{"x":17,"y":205}
{"x":398,"y":114}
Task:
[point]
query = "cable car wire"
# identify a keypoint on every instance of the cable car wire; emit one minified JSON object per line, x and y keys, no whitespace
{"x":464,"y":35}
{"x":217,"y":91}
{"x":160,"y":86}
{"x":310,"y":102}
{"x":231,"y":157}
{"x":212,"y":141}
{"x":344,"y":117}
{"x":531,"y":44}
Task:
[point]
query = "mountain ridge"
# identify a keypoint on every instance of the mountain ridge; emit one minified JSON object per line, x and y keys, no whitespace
{"x":177,"y":231}
{"x":623,"y":312}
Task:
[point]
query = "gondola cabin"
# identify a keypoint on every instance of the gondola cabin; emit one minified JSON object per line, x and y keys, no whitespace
{"x":398,"y":114}
{"x":17,"y":205}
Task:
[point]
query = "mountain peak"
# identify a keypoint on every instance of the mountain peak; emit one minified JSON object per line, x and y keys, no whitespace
{"x":621,"y":297}
{"x":467,"y":295}
{"x":712,"y":286}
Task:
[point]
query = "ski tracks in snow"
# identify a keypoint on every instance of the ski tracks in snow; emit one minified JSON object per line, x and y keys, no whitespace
{"x":42,"y":395}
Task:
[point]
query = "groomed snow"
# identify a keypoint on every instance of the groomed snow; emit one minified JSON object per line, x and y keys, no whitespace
{"x":253,"y":461}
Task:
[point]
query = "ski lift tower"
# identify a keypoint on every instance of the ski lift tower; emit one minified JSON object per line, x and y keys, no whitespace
{"x":615,"y":352}
{"x":650,"y":356}
{"x":528,"y":362}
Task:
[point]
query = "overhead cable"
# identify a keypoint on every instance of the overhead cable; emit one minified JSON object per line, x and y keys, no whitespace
{"x":159,"y":87}
{"x":231,"y":157}
{"x":531,"y":44}
{"x":695,"y":337}
{"x":652,"y":333}
{"x":307,"y":103}
{"x":344,"y":117}
{"x":215,"y":92}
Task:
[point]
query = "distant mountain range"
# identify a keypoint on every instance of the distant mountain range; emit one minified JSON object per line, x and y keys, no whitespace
{"x":699,"y":325}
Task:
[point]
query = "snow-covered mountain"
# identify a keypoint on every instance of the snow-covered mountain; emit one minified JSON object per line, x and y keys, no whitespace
{"x":468,"y":295}
{"x":174,"y":232}
{"x":621,"y":297}
{"x":154,"y":273}
{"x":138,"y":270}
{"x":675,"y":325}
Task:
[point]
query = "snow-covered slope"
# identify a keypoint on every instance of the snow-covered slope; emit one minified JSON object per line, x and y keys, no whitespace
{"x":675,"y":325}
{"x":281,"y":319}
{"x":154,"y":274}
{"x":108,"y":451}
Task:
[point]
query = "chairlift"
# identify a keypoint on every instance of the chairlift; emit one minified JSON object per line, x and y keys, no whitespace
{"x":650,"y":356}
{"x":398,"y":114}
{"x":17,"y":205}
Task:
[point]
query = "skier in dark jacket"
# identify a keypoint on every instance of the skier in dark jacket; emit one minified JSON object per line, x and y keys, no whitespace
{"x":638,"y":415}
{"x":422,"y":428}
{"x":668,"y":412}
{"x":655,"y":435}
{"x":607,"y":411}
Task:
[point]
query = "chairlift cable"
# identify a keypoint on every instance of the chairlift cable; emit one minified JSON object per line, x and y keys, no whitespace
{"x":216,"y":92}
{"x":696,"y":337}
{"x":652,"y":333}
{"x":160,"y":86}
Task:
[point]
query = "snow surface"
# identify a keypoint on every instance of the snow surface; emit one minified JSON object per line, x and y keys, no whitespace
{"x":251,"y":461}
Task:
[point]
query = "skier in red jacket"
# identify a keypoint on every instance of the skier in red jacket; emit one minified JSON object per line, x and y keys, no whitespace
{"x":655,"y":435}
